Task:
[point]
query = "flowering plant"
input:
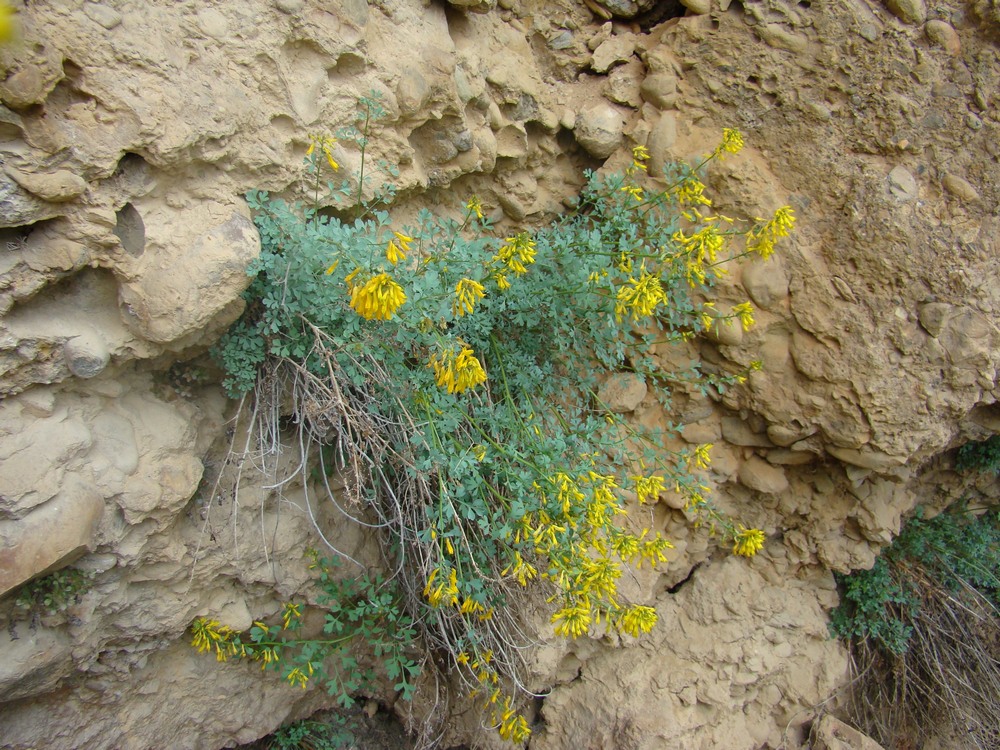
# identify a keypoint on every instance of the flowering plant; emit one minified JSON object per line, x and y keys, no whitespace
{"x":458,"y":377}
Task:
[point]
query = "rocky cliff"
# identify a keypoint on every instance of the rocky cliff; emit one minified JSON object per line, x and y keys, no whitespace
{"x":129,"y":133}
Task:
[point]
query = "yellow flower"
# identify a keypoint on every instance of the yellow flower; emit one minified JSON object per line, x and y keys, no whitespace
{"x":691,"y":192}
{"x":517,"y":253}
{"x":474,"y":206}
{"x":637,"y":620}
{"x":445,"y":592}
{"x":404,"y":241}
{"x":732,"y":142}
{"x":325,"y":144}
{"x":393,"y":253}
{"x":641,"y":296}
{"x":761,"y":240}
{"x":6,"y":22}
{"x":748,"y":542}
{"x":635,"y":192}
{"x":467,"y":292}
{"x":502,"y":283}
{"x":292,"y":612}
{"x":745,"y":313}
{"x":457,"y":373}
{"x":648,"y":488}
{"x":378,"y":298}
{"x":333,"y":267}
{"x":701,"y":459}
{"x":573,"y":621}
{"x":297,"y":676}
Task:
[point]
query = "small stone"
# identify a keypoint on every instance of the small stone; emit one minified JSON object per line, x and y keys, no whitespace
{"x":761,"y":476}
{"x":726,"y":333}
{"x":786,"y":457}
{"x":902,"y":184}
{"x":611,"y":52}
{"x":932,"y":316}
{"x":599,"y":129}
{"x":411,"y":91}
{"x":960,"y":188}
{"x":943,"y":35}
{"x":874,"y":460}
{"x":289,"y":6}
{"x":660,"y":90}
{"x":54,"y":187}
{"x":973,"y":122}
{"x":622,"y":392}
{"x":103,"y":15}
{"x":766,"y":282}
{"x":869,"y":32}
{"x":562,"y":40}
{"x":697,"y":7}
{"x":779,"y":37}
{"x":830,"y":733}
{"x":910,"y":11}
{"x":86,"y":355}
{"x":661,"y":142}
{"x":623,"y":84}
{"x":602,"y":35}
{"x":786,"y":436}
{"x":213,"y":23}
{"x":737,"y":432}
{"x":476,"y":6}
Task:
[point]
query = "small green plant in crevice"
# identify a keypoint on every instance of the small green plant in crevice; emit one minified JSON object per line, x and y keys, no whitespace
{"x":53,"y":593}
{"x":924,"y":628}
{"x":983,"y":455}
{"x":359,"y":613}
{"x":454,"y":379}
{"x":332,"y":734}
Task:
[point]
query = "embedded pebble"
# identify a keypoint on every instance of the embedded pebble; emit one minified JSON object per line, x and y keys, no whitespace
{"x":943,"y":35}
{"x":910,"y":11}
{"x":777,"y":36}
{"x":960,"y":188}
{"x":660,"y":90}
{"x":599,"y":129}
{"x":902,"y":184}
{"x":698,"y":7}
{"x":103,"y":15}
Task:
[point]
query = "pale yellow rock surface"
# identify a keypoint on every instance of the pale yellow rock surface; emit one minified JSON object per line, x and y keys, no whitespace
{"x":129,"y":133}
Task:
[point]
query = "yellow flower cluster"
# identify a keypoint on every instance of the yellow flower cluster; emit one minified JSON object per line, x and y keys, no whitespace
{"x":732,"y":143}
{"x":640,"y":296}
{"x":637,"y":620}
{"x":325,"y":144}
{"x":208,"y":634}
{"x":467,"y":293}
{"x":762,"y":239}
{"x":511,"y":725}
{"x":748,"y":542}
{"x":744,"y":312}
{"x":648,"y":489}
{"x":378,"y":298}
{"x":457,"y":373}
{"x":700,"y":457}
{"x":691,"y":192}
{"x":700,"y":247}
{"x":396,"y":252}
{"x":474,"y":206}
{"x":516,"y":254}
{"x":445,"y":592}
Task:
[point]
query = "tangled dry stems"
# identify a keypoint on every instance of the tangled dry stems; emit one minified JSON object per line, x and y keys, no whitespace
{"x":947,"y":683}
{"x":339,"y":425}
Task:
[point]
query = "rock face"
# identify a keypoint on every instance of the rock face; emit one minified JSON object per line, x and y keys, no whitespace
{"x":129,"y":133}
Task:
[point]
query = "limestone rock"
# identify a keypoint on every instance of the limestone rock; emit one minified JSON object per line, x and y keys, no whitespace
{"x":51,"y":536}
{"x":625,"y":8}
{"x":622,"y":392}
{"x":476,"y":6}
{"x":102,"y":14}
{"x":613,"y":51}
{"x":902,"y":184}
{"x":660,"y":90}
{"x":761,"y":476}
{"x":944,"y":35}
{"x":599,"y":129}
{"x":661,"y":142}
{"x":697,"y":7}
{"x":960,"y":188}
{"x":738,"y":432}
{"x":778,"y":36}
{"x":213,"y":244}
{"x":830,"y":733}
{"x":766,"y":282}
{"x":55,"y":187}
{"x":910,"y":11}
